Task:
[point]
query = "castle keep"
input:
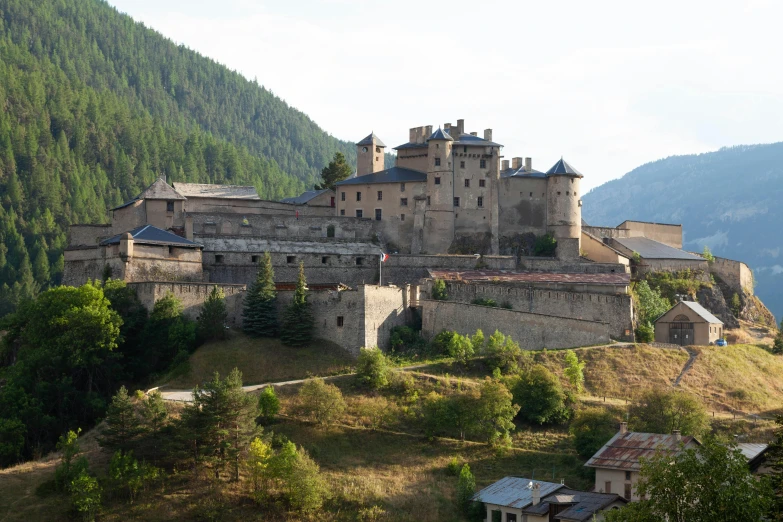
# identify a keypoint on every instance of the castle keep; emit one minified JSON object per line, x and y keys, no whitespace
{"x":451,"y":209}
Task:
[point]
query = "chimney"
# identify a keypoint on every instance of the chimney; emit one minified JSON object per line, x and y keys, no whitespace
{"x":412,"y":135}
{"x":420,"y":138}
{"x":427,"y":131}
{"x":677,"y":435}
{"x":516,"y":163}
{"x":474,"y":134}
{"x":528,"y":164}
{"x":163,"y":177}
{"x":460,"y":127}
{"x":488,"y":134}
{"x":623,"y":428}
{"x":505,"y":164}
{"x":447,"y":127}
{"x":536,"y":494}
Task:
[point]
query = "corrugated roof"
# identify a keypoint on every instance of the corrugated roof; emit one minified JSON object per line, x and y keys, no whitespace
{"x":370,"y":139}
{"x":304,"y":197}
{"x":617,"y":278}
{"x":204,"y":190}
{"x":441,"y":134}
{"x":751,"y":450}
{"x":392,"y":175}
{"x":513,"y":492}
{"x":561,"y":168}
{"x":150,"y":235}
{"x":624,"y":450}
{"x":651,"y":249}
{"x":284,"y":246}
{"x":585,"y":504}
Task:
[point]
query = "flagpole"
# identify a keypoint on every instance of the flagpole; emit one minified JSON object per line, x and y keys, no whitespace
{"x":380,"y":270}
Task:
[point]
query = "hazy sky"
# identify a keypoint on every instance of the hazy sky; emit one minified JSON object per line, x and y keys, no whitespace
{"x":607,"y":85}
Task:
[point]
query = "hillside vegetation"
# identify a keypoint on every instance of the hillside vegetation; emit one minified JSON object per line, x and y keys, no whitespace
{"x":728,"y":200}
{"x":96,"y":106}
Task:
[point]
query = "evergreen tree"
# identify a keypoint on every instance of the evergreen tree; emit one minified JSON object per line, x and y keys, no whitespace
{"x":337,"y":170}
{"x":298,"y":320}
{"x":212,"y":319}
{"x":122,"y":426}
{"x":259,"y":317}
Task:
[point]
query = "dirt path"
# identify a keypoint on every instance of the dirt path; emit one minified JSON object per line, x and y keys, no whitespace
{"x":692,"y":354}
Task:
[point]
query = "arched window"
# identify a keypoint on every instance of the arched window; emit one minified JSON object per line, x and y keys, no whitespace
{"x":682,"y":319}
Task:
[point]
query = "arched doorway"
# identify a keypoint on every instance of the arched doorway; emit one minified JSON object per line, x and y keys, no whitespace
{"x":681,"y":331}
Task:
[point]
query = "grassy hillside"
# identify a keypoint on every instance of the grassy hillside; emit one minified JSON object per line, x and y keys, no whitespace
{"x":728,"y":200}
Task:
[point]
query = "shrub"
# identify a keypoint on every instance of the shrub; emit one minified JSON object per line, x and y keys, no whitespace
{"x":268,"y":404}
{"x":591,"y":429}
{"x":545,"y":246}
{"x":375,"y":412}
{"x":574,"y":371}
{"x":439,"y":290}
{"x":540,"y":395}
{"x":321,"y":402}
{"x":70,"y":467}
{"x":85,"y":495}
{"x":461,"y":348}
{"x":127,"y":474}
{"x":649,"y":302}
{"x":466,"y":488}
{"x":485,"y":301}
{"x":454,"y":466}
{"x":440,"y":344}
{"x":257,"y":463}
{"x":645,"y":333}
{"x":707,"y":254}
{"x":662,"y":411}
{"x":372,"y":369}
{"x":406,"y":339}
{"x":306,"y":488}
{"x":736,"y":305}
{"x":503,"y":353}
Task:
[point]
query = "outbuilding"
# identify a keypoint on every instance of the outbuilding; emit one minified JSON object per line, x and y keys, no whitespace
{"x":688,"y":323}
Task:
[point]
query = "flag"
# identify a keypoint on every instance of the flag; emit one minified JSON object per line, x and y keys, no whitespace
{"x":384,"y":257}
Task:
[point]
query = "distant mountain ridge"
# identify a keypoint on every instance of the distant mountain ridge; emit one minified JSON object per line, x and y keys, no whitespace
{"x":729,"y":200}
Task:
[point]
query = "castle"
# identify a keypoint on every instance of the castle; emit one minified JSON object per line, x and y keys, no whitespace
{"x":447,"y":210}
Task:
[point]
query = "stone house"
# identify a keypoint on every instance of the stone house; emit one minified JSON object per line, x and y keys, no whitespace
{"x":618,"y":462}
{"x":688,"y":323}
{"x":517,"y":499}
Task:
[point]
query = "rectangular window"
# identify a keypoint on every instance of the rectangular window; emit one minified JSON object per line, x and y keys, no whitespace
{"x":428,"y":201}
{"x":627,"y":475}
{"x":380,"y":195}
{"x":340,"y":321}
{"x":342,"y":211}
{"x":480,"y":201}
{"x":483,"y":164}
{"x":290,"y":259}
{"x":331,"y":202}
{"x":359,"y":261}
{"x":324,"y":259}
{"x":531,"y":194}
{"x":377,"y":214}
{"x":218,"y":258}
{"x":437,"y":180}
{"x":464,"y":149}
{"x":456,"y":202}
{"x":359,"y":213}
{"x":403,"y":202}
{"x":511,"y":517}
{"x":482,"y":182}
{"x":467,"y":183}
{"x":402,"y":187}
{"x":462,"y":164}
{"x":255,"y":259}
{"x":607,"y":487}
{"x":437,"y":162}
{"x":627,"y":492}
{"x":358,"y":196}
{"x":169,"y":206}
{"x":402,"y":217}
{"x":342,"y":196}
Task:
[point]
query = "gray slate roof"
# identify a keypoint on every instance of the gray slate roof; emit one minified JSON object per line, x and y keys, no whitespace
{"x":700,"y":310}
{"x":513,"y":492}
{"x":469,"y":139}
{"x":304,"y":197}
{"x":369,"y":140}
{"x":203,"y":190}
{"x":561,"y":168}
{"x":411,"y":145}
{"x":651,"y":249}
{"x":521,"y":173}
{"x":392,"y":175}
{"x":150,"y":235}
{"x":441,"y":134}
{"x":284,"y":246}
{"x":585,"y":503}
{"x":159,"y":189}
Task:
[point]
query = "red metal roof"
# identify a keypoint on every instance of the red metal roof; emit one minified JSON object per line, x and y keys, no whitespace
{"x":510,"y":276}
{"x":624,"y":450}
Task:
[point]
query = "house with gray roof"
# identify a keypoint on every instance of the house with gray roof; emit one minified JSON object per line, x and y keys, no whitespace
{"x":519,"y":499}
{"x":688,"y":323}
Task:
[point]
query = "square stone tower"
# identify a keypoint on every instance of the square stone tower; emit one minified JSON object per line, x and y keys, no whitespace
{"x":369,"y":155}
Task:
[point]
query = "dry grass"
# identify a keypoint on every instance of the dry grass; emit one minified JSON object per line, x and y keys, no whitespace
{"x":261,"y":360}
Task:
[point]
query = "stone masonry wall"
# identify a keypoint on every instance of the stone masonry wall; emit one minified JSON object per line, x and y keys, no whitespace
{"x":617,"y":310}
{"x":531,"y":331}
{"x":192,"y":296}
{"x":735,"y":274}
{"x":282,"y":226}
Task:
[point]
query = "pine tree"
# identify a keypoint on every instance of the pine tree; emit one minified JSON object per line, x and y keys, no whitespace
{"x":298,"y":320}
{"x":259,"y":317}
{"x":336,"y":171}
{"x":122,"y":427}
{"x":212,"y":319}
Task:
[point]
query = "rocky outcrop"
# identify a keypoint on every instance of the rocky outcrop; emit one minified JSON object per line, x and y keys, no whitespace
{"x":755,"y":311}
{"x":712,"y":298}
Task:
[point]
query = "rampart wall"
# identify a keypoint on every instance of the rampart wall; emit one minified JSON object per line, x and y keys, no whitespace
{"x":736,"y":274}
{"x":531,"y":331}
{"x":192,"y":296}
{"x":87,"y":235}
{"x":590,"y":304}
{"x":281,"y":226}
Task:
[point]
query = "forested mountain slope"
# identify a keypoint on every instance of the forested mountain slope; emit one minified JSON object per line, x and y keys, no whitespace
{"x":729,"y":200}
{"x":96,"y":106}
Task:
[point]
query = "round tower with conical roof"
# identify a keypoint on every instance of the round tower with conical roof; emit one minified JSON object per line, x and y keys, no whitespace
{"x":564,"y":208}
{"x":370,"y":155}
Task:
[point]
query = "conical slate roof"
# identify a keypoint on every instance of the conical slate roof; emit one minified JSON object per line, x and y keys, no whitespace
{"x":441,"y":134}
{"x":561,"y":168}
{"x":369,"y":140}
